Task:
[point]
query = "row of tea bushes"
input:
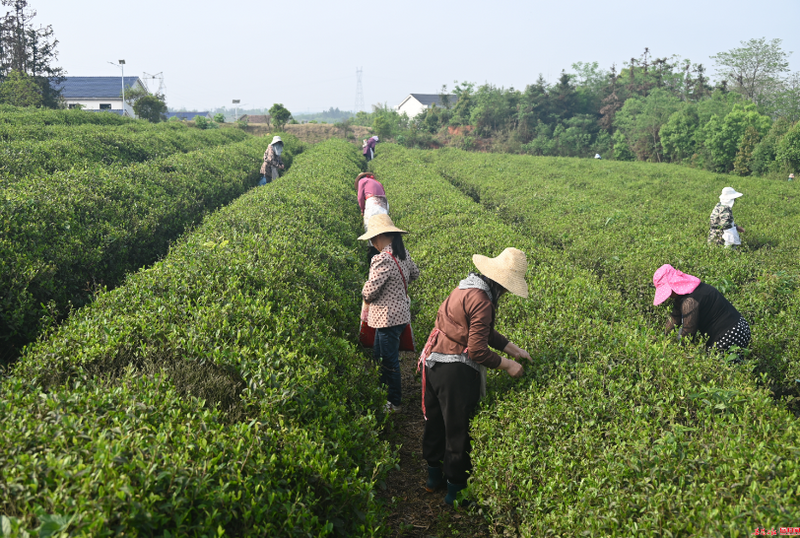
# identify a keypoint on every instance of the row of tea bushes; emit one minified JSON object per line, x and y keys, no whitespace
{"x":64,"y":236}
{"x":83,"y":146}
{"x":20,"y":116}
{"x":615,"y":430}
{"x":217,"y":392}
{"x":624,"y":220}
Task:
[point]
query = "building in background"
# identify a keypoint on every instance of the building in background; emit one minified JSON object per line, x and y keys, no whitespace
{"x":188,"y":116}
{"x":415,"y":103}
{"x":99,"y":93}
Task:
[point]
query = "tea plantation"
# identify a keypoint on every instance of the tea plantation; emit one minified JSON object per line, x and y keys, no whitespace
{"x":616,"y":430}
{"x":65,"y":234}
{"x":221,"y":390}
{"x":216,"y":392}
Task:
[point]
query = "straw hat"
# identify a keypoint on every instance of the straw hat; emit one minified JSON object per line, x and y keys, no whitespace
{"x":728,"y":194}
{"x":508,"y":270}
{"x":380,"y":224}
{"x":667,"y":279}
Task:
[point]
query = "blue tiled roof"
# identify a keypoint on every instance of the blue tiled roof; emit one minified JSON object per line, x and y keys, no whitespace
{"x":186,"y":115}
{"x":95,"y":87}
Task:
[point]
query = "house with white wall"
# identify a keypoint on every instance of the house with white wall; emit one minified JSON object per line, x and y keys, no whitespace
{"x":416,"y":103}
{"x":99,"y":93}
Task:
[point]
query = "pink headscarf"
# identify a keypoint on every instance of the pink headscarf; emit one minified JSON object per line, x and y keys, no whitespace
{"x":668,"y":279}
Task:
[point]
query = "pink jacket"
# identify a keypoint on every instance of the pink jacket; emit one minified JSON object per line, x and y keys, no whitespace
{"x":368,"y":187}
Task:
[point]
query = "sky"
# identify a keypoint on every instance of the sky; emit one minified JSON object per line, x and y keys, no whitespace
{"x":305,"y":53}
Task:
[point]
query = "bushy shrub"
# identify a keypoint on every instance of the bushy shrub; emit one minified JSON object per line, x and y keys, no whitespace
{"x":65,"y":235}
{"x":615,"y":429}
{"x":217,"y":392}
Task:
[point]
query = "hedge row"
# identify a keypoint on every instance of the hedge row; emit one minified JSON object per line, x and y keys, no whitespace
{"x":615,"y":430}
{"x":623,"y":220}
{"x":64,"y":236}
{"x":44,"y":116}
{"x":217,"y":392}
{"x":89,"y":145}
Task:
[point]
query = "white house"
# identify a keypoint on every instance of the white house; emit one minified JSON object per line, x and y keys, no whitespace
{"x":415,"y":103}
{"x":99,"y":93}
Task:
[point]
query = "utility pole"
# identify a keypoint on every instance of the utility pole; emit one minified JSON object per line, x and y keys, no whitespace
{"x":236,"y":109}
{"x":121,"y":65}
{"x":359,"y":92}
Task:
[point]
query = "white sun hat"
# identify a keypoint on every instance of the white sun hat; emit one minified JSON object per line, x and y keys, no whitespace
{"x":728,"y":194}
{"x":508,"y":269}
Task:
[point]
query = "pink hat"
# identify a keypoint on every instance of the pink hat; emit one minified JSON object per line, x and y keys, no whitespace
{"x":668,"y":279}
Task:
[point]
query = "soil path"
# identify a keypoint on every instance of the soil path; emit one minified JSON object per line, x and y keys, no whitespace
{"x":413,"y":512}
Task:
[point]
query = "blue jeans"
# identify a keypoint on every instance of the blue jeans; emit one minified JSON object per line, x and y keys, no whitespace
{"x":387,"y":352}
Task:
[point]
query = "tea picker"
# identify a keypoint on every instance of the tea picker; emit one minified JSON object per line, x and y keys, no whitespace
{"x":699,"y":308}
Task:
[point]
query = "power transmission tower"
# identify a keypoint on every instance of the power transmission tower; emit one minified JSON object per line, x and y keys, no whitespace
{"x":359,"y":92}
{"x":159,"y":77}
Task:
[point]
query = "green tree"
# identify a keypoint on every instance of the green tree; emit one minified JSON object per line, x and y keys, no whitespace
{"x":151,"y":108}
{"x":20,"y":89}
{"x":219,"y":117}
{"x":788,"y":153}
{"x":744,"y":155}
{"x":766,"y":151}
{"x":724,"y":136}
{"x":755,"y":68}
{"x":279,"y":115}
{"x":678,"y":134}
{"x":30,"y":50}
{"x":641,"y":119}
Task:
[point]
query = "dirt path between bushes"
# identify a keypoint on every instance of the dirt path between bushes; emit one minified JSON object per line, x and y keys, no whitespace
{"x":412,"y":511}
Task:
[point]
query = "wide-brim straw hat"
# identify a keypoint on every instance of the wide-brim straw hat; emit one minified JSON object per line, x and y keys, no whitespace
{"x":380,"y":224}
{"x":667,"y":279}
{"x":508,"y":269}
{"x":275,"y":140}
{"x":728,"y":194}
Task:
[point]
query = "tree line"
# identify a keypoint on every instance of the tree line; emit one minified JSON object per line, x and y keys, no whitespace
{"x":652,"y":109}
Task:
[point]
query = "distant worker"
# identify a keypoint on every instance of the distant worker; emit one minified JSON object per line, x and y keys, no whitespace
{"x":700,"y":308}
{"x":454,"y":363}
{"x":368,"y":148}
{"x":272,"y":159}
{"x":791,"y":177}
{"x":723,"y":231}
{"x":372,"y":201}
{"x":597,"y":156}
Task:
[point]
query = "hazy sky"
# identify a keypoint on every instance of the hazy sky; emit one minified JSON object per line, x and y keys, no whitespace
{"x":304,"y":53}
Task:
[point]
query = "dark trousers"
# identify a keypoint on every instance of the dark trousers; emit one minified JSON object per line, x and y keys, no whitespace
{"x":452,"y":392}
{"x":387,"y":352}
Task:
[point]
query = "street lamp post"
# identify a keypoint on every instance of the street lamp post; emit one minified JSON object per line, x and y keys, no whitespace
{"x":121,"y":65}
{"x":236,"y":109}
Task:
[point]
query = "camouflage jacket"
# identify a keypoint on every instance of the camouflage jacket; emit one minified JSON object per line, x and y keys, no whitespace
{"x":721,"y":219}
{"x":271,"y":159}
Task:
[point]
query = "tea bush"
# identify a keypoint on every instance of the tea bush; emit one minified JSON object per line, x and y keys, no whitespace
{"x":18,"y":116}
{"x":615,"y":430}
{"x":64,"y":236}
{"x":64,"y":148}
{"x":622,"y":221}
{"x":217,"y":392}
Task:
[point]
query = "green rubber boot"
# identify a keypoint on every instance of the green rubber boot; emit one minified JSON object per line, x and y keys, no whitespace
{"x":435,"y":479}
{"x":452,"y":494}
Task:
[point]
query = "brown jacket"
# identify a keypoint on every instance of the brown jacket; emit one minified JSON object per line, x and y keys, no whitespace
{"x":466,"y":320}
